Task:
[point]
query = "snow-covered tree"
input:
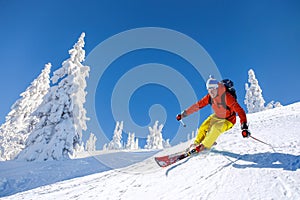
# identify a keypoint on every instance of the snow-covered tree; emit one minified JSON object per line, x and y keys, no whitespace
{"x":166,"y":143}
{"x":155,"y":139}
{"x":253,"y":99}
{"x":191,"y":136}
{"x":129,"y":140}
{"x":132,"y":144}
{"x":116,"y":143}
{"x":91,"y":143}
{"x":58,"y":134}
{"x":136,"y":143}
{"x":19,"y":121}
{"x":105,"y":147}
{"x":272,"y":105}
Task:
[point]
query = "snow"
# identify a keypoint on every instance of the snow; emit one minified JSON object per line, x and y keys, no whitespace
{"x":236,"y":168}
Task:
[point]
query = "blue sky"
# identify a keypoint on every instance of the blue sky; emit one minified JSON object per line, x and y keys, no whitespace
{"x":237,"y":35}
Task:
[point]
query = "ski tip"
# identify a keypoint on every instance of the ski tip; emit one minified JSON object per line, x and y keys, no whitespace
{"x":160,"y":163}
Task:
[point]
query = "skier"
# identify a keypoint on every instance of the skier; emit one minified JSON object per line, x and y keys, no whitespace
{"x":225,"y":107}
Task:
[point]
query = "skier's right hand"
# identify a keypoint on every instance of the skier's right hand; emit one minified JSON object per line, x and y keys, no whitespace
{"x":181,"y":116}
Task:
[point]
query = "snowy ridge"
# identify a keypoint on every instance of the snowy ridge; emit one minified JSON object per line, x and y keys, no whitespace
{"x":236,"y":168}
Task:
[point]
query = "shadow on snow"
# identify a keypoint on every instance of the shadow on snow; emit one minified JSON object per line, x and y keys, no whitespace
{"x":264,"y":160}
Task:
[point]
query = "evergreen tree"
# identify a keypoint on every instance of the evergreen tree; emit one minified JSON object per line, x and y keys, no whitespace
{"x":58,"y":134}
{"x":20,"y":121}
{"x":191,"y":136}
{"x":116,"y":143}
{"x":105,"y":147}
{"x":136,"y":143}
{"x":91,"y":143}
{"x":253,"y":99}
{"x":272,"y":105}
{"x":132,"y":144}
{"x":166,"y":143}
{"x":155,"y":139}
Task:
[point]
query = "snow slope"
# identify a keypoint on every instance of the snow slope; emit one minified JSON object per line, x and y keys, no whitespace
{"x":236,"y":168}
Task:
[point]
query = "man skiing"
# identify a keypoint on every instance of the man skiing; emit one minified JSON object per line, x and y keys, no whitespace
{"x":225,"y":107}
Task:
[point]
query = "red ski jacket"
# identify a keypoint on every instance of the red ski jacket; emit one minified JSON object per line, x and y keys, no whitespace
{"x":225,"y":110}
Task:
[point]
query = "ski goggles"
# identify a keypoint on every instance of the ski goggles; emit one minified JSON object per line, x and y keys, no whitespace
{"x":212,"y":88}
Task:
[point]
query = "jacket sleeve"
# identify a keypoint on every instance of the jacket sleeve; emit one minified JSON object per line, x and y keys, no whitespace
{"x":197,"y":106}
{"x":235,"y":106}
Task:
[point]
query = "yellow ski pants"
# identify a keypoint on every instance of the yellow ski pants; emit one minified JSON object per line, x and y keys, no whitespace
{"x":211,"y":129}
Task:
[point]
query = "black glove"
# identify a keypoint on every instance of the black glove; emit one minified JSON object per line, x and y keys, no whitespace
{"x":180,"y":116}
{"x":245,"y":132}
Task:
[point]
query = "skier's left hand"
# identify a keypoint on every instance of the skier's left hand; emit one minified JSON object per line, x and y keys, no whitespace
{"x":245,"y":132}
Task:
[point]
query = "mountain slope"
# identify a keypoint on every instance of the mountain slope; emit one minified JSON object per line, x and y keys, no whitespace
{"x":236,"y":168}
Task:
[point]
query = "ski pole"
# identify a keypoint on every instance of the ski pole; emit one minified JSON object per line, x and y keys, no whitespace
{"x":262,"y":142}
{"x":182,"y":123}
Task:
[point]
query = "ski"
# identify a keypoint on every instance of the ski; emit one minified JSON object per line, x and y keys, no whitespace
{"x":167,"y":160}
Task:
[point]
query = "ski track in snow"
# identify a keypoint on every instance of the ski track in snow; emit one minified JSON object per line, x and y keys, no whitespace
{"x":236,"y":168}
